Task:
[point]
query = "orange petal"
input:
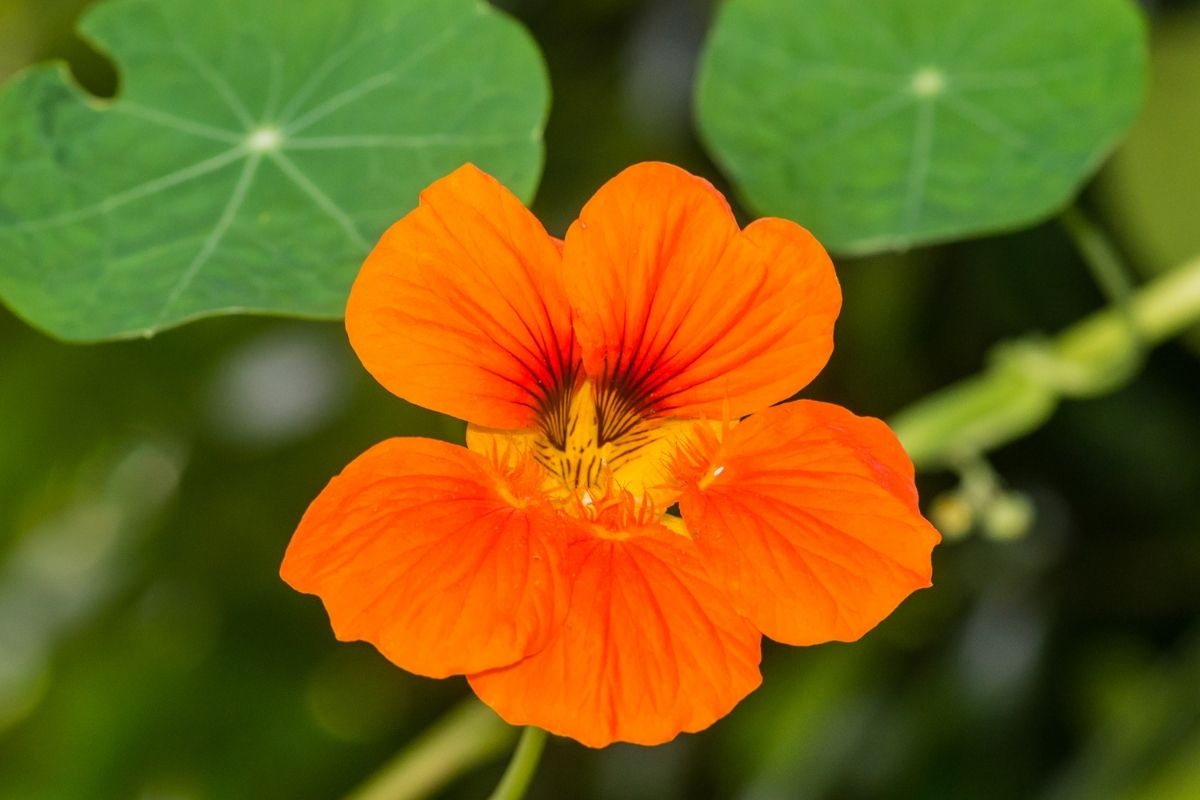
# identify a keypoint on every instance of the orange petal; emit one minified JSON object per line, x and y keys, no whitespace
{"x":426,"y":551}
{"x":809,"y":515}
{"x":679,"y":308}
{"x":461,"y":307}
{"x":649,"y":648}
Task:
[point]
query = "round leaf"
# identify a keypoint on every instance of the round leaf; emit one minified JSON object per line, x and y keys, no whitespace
{"x":255,"y":151}
{"x":880,"y":124}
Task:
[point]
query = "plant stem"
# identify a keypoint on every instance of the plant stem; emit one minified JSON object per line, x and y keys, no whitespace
{"x":524,"y":763}
{"x":468,"y":735}
{"x":1099,"y":253}
{"x":1026,"y":378}
{"x":1108,"y":268}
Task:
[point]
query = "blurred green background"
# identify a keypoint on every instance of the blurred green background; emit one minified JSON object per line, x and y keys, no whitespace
{"x":148,"y":489}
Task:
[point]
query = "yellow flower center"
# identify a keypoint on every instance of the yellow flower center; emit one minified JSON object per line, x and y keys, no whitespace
{"x":591,"y":434}
{"x":596,"y":446}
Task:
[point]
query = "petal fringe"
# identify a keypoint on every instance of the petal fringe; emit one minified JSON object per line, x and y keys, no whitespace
{"x":808,"y":515}
{"x":427,"y":551}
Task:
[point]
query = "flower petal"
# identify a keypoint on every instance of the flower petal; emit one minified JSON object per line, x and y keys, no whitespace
{"x":424,"y":549}
{"x":677,"y":306}
{"x":461,"y":307}
{"x":649,"y":648}
{"x":809,"y":515}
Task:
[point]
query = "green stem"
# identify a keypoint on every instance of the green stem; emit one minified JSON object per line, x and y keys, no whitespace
{"x":1107,"y":266}
{"x":1026,"y":379}
{"x":468,"y":735}
{"x":524,"y":763}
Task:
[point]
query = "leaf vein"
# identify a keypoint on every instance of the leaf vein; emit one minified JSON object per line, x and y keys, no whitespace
{"x":228,"y":214}
{"x":322,"y":200}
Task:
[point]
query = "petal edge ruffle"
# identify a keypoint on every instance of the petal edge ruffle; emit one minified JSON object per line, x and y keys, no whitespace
{"x":649,"y":648}
{"x":808,"y":515}
{"x":426,"y":551}
{"x":460,"y":307}
{"x":678,"y":308}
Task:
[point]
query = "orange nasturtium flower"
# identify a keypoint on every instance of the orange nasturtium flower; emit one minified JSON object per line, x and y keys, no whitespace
{"x":606,"y":378}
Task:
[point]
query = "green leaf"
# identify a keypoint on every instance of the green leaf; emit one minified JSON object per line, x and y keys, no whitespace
{"x":255,"y":151}
{"x":881,"y":124}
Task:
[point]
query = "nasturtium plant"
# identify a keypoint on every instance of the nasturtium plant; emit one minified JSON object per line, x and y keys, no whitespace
{"x":254,"y":152}
{"x":600,"y":377}
{"x":882,"y":124}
